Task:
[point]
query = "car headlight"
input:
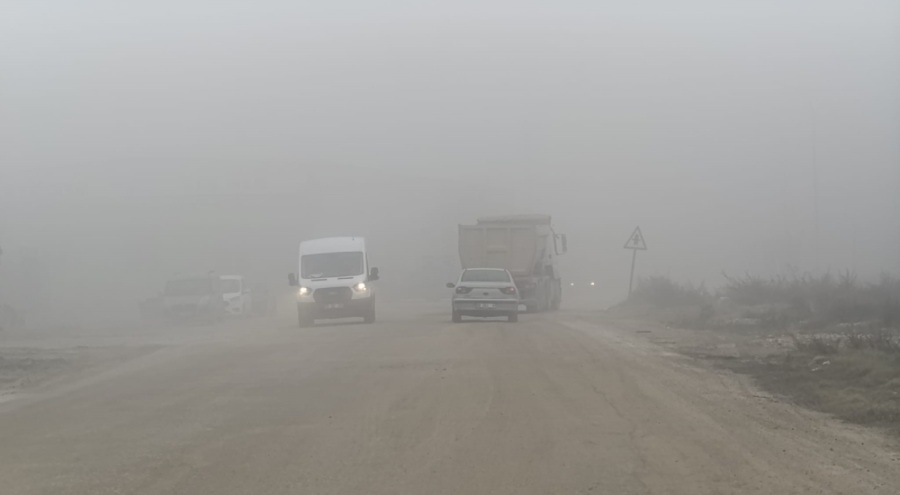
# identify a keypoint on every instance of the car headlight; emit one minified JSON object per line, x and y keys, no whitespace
{"x":360,"y":287}
{"x":303,"y":291}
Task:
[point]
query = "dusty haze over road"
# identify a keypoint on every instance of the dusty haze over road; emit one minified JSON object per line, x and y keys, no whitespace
{"x":139,"y":140}
{"x":134,"y":137}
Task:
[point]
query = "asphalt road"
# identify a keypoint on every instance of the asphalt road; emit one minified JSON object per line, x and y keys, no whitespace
{"x":416,"y":405}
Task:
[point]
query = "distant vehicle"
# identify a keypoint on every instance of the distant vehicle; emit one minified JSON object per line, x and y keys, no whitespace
{"x":485,"y":292}
{"x":526,"y":246}
{"x":194,"y":298}
{"x":235,"y":294}
{"x":335,"y":280}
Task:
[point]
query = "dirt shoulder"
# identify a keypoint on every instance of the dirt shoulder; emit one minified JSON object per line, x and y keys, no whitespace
{"x":855,"y":377}
{"x":27,"y":370}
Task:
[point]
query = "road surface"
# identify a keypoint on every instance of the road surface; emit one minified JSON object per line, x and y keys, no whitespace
{"x":417,"y":405}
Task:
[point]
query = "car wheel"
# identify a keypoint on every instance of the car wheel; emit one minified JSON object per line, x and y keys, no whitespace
{"x":513,"y":317}
{"x":457,"y":318}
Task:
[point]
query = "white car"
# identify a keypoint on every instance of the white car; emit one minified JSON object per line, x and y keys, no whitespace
{"x":485,"y":292}
{"x":235,"y":294}
{"x":335,"y":280}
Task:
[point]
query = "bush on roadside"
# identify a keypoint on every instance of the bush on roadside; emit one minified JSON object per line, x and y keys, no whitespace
{"x":671,"y":303}
{"x":817,"y":345}
{"x":662,"y":292}
{"x":817,"y":301}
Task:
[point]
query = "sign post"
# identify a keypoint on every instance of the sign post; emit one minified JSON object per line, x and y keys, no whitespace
{"x":635,"y":243}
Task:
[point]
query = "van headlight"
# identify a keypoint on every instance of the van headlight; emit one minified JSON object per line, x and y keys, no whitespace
{"x":360,"y":287}
{"x":303,"y":291}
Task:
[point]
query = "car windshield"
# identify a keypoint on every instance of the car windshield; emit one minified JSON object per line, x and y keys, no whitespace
{"x":231,"y":285}
{"x":188,"y":287}
{"x":329,"y":265}
{"x":485,"y":276}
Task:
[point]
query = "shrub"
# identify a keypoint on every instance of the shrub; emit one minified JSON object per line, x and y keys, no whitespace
{"x":662,"y":292}
{"x":824,"y":300}
{"x":878,"y":341}
{"x":818,"y":345}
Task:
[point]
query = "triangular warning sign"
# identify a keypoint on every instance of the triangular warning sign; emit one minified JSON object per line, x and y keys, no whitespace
{"x":636,"y":240}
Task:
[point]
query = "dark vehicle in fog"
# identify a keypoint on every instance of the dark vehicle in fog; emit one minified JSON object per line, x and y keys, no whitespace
{"x":194,"y":298}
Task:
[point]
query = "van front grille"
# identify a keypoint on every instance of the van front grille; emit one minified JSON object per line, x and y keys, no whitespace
{"x":332,"y":295}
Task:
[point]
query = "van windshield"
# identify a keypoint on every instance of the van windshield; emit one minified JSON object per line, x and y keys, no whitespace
{"x":188,"y":287}
{"x":330,"y":265}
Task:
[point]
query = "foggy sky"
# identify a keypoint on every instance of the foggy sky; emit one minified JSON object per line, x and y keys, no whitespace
{"x":711,"y":125}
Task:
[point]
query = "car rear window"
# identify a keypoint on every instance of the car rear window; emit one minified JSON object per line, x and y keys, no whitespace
{"x":485,"y":276}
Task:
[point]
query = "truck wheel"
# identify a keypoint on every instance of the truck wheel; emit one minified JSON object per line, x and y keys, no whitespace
{"x":457,"y":318}
{"x":513,"y":317}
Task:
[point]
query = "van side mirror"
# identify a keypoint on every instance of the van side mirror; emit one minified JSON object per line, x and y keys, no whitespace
{"x":373,"y":274}
{"x":450,"y":285}
{"x":292,"y":279}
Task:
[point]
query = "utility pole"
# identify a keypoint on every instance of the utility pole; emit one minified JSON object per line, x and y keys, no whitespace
{"x":814,"y":156}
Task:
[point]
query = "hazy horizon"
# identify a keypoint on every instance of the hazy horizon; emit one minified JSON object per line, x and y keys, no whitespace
{"x":139,"y":140}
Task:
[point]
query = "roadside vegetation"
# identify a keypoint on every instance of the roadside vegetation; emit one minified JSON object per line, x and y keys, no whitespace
{"x":828,"y":342}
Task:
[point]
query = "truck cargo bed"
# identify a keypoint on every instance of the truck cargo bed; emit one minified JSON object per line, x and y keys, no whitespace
{"x":514,"y":247}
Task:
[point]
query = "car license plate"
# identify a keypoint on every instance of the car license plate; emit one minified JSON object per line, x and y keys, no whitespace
{"x":485,"y":305}
{"x":334,"y":306}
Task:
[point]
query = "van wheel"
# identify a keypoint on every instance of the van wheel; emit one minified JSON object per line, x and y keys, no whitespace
{"x":370,"y":315}
{"x":513,"y":317}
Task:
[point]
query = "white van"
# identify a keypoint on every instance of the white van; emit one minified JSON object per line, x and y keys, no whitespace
{"x":334,"y":280}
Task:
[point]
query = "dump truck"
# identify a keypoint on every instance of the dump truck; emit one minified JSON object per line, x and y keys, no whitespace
{"x":527,"y":246}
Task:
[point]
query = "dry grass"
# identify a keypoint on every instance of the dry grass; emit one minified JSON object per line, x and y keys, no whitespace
{"x":817,"y":302}
{"x":858,"y":386}
{"x":845,"y":357}
{"x":663,"y":292}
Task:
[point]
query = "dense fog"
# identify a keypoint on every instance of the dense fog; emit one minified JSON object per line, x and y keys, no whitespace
{"x":140,"y":141}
